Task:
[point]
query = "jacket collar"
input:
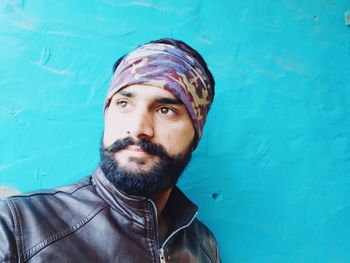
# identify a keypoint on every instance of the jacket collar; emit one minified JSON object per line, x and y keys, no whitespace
{"x":180,"y":209}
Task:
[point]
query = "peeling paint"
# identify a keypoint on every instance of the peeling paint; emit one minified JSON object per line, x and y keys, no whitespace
{"x":51,"y":69}
{"x":15,"y":114}
{"x":24,"y":20}
{"x":156,"y":6}
{"x":45,"y":56}
{"x":13,"y":164}
{"x":16,"y":5}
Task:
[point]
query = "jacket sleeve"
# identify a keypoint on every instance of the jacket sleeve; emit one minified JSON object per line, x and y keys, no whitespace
{"x":217,"y":254}
{"x":8,"y":249}
{"x":215,"y":249}
{"x":208,"y":242}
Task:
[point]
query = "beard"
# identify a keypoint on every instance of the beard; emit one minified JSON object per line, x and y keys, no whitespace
{"x":161,"y":176}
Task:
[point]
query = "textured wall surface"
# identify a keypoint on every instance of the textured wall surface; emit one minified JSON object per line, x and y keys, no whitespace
{"x":271,"y":175}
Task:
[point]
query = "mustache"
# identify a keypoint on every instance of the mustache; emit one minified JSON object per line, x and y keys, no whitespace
{"x":145,"y":145}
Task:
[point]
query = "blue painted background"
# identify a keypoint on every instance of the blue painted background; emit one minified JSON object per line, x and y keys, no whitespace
{"x":272,"y":173}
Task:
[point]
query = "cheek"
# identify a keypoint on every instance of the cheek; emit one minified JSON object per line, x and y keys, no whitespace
{"x":113,"y":130}
{"x":178,"y":138}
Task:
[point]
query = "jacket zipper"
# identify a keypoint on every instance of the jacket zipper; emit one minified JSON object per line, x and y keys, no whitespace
{"x":155,"y":227}
{"x":161,"y":250}
{"x":161,"y":255}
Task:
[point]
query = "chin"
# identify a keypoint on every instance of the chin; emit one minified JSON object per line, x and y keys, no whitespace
{"x":135,"y":165}
{"x":135,"y":169}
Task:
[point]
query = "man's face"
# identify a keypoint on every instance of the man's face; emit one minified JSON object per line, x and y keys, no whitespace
{"x":150,"y":133}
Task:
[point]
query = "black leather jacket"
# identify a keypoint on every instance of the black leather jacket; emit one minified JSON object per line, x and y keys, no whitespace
{"x":90,"y":221}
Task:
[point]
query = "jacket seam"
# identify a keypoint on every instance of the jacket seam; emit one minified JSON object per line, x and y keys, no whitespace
{"x":60,"y":235}
{"x":150,"y":230}
{"x":76,"y":188}
{"x":17,"y":227}
{"x":9,"y":259}
{"x":205,"y":252}
{"x":204,"y":249}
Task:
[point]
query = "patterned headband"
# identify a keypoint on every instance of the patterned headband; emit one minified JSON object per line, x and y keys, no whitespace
{"x":171,"y":68}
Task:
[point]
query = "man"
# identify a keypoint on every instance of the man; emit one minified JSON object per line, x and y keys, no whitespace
{"x":129,"y":210}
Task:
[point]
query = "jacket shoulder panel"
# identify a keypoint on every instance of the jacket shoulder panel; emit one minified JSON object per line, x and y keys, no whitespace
{"x":206,"y":240}
{"x":43,"y":217}
{"x":67,"y":189}
{"x":8,"y":248}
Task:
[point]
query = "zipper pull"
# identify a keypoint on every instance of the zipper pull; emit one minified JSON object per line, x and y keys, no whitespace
{"x":161,"y":255}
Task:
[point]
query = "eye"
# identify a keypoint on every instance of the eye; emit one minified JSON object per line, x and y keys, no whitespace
{"x":123,"y":105}
{"x":166,"y":111}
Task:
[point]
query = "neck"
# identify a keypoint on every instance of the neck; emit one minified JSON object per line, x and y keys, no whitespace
{"x":160,"y":202}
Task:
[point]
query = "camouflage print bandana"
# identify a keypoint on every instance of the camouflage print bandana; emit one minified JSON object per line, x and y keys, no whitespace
{"x":168,"y":67}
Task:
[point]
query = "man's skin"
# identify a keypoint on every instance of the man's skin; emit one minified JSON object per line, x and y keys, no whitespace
{"x":152,"y":113}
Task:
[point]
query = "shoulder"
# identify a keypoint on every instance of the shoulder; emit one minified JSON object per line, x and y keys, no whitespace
{"x":206,"y":239}
{"x":51,"y":196}
{"x":69,"y":189}
{"x":34,"y":199}
{"x":79,"y":197}
{"x":8,"y":249}
{"x":48,"y":214}
{"x":203,"y":233}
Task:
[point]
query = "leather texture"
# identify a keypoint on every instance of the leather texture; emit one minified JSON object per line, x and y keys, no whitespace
{"x":91,"y":221}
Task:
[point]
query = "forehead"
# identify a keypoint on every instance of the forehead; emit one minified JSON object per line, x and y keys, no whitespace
{"x":140,"y":91}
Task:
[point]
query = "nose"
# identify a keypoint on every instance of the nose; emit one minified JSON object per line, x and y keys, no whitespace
{"x":140,"y":125}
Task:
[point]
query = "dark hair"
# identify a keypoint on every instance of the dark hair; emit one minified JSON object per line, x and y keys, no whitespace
{"x":183,"y":46}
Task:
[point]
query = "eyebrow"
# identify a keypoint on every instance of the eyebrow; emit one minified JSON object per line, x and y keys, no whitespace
{"x":126,"y":94}
{"x":163,"y":100}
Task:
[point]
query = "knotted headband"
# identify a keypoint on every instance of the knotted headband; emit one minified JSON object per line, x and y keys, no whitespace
{"x":175,"y":70}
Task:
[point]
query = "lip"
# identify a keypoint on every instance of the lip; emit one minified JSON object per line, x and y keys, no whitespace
{"x":135,"y":148}
{"x":136,"y":151}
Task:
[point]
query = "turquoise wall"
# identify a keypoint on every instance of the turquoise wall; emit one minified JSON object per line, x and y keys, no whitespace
{"x":271,"y":175}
